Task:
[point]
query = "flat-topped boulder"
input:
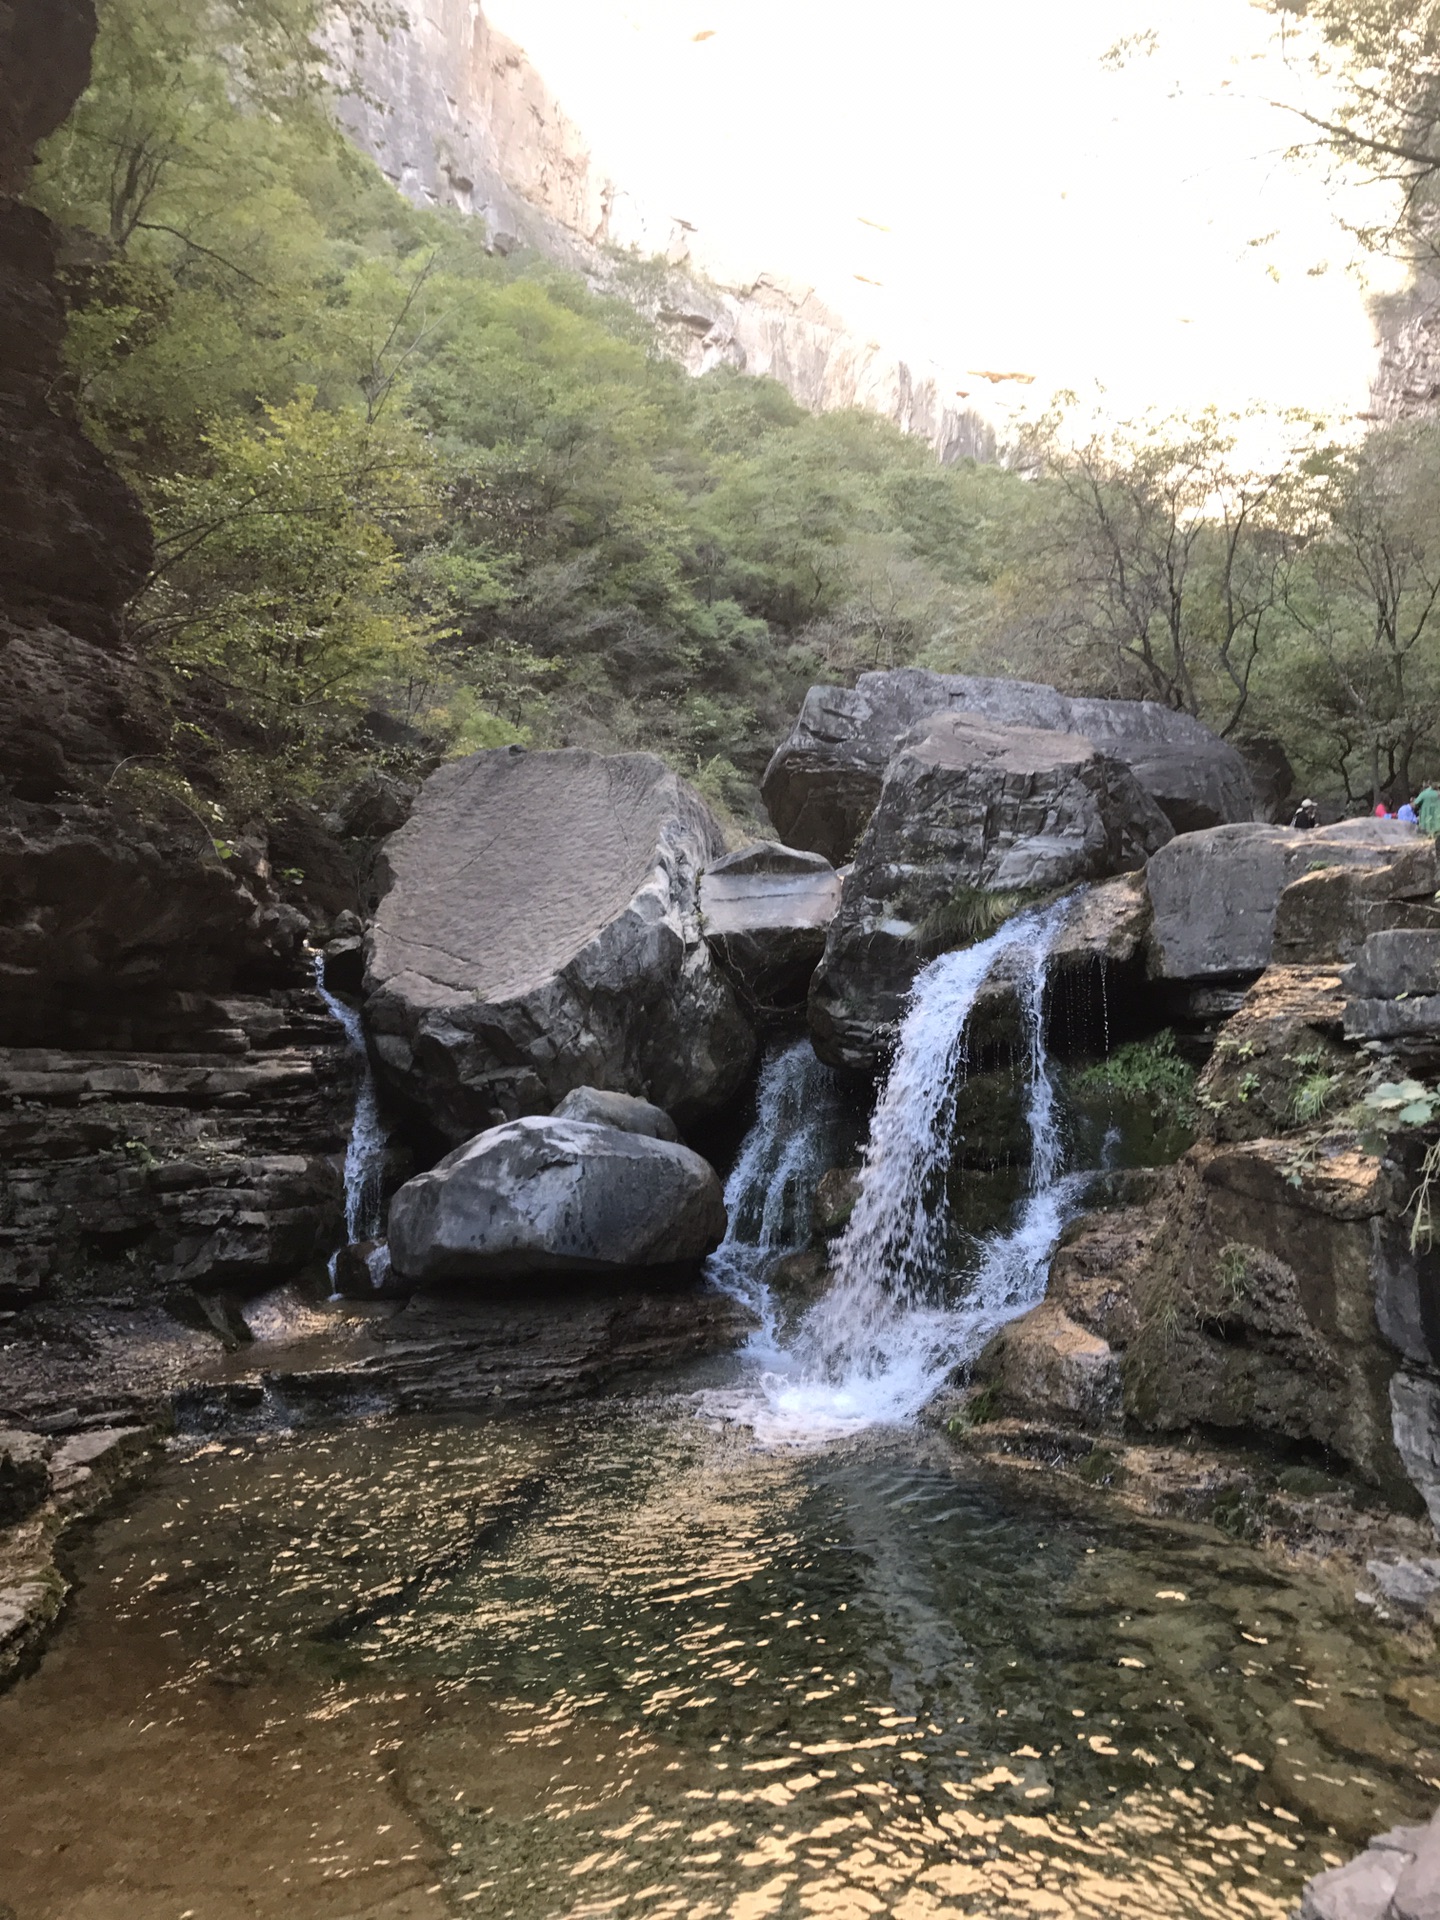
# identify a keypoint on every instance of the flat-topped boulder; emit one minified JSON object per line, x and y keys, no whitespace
{"x":766,"y":911}
{"x":824,"y":780}
{"x":540,"y":931}
{"x":1215,"y":895}
{"x":546,"y":1195}
{"x":973,"y":820}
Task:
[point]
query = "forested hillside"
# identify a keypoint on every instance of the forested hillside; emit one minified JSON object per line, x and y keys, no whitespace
{"x":411,"y":497}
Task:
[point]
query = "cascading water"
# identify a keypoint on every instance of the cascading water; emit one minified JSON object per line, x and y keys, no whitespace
{"x":894,"y":1323}
{"x":798,"y":1132}
{"x":365,"y":1150}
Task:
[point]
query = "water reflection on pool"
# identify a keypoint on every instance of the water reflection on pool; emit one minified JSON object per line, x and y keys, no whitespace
{"x":652,"y":1670}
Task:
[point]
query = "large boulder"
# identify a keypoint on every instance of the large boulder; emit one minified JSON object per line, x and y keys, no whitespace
{"x":540,"y":932}
{"x":766,"y":911}
{"x":968,"y":811}
{"x":824,"y":780}
{"x":555,"y":1196}
{"x":1215,"y":894}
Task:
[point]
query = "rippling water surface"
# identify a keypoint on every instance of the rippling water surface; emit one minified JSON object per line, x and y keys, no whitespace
{"x":618,"y":1660}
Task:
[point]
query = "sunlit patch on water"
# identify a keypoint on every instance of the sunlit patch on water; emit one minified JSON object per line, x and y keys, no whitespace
{"x":650,"y":1669}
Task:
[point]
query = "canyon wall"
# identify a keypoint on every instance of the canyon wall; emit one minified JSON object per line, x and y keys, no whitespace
{"x":1407,"y":384}
{"x":455,"y":115}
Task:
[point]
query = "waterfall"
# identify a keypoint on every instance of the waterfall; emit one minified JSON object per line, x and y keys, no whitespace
{"x":797,"y":1134}
{"x":895,"y":1321}
{"x":365,"y":1150}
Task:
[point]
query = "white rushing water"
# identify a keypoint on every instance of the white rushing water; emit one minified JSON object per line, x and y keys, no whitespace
{"x":365,"y":1152}
{"x":794,"y":1138}
{"x":896,"y":1321}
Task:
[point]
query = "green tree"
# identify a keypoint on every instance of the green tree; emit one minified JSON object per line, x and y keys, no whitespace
{"x":279,"y":580}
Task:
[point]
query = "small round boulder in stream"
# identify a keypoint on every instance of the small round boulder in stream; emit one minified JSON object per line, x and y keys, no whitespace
{"x":555,"y":1196}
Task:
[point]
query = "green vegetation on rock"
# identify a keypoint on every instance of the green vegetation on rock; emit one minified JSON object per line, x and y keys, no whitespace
{"x":1149,"y":1073}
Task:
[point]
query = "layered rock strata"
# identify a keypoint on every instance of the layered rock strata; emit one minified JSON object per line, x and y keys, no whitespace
{"x":540,"y":931}
{"x":147,"y":1174}
{"x":172,"y":1100}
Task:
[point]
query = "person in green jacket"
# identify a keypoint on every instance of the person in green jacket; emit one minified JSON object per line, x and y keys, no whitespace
{"x":1427,"y":805}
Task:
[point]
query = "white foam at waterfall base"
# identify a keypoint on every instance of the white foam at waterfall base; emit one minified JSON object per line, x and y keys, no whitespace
{"x":365,"y":1149}
{"x":895,"y":1322}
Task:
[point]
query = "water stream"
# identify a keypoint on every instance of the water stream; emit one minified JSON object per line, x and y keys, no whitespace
{"x":896,"y":1319}
{"x":365,"y":1150}
{"x":648,"y":1657}
{"x":612,"y":1659}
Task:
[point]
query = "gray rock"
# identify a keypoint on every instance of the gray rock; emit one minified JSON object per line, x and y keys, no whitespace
{"x":1392,"y":992}
{"x":1215,"y":894}
{"x":824,"y":780}
{"x":24,"y":1479}
{"x":766,"y":911}
{"x":1360,"y":1890}
{"x":103,"y":1452}
{"x":1409,"y":1583}
{"x":1396,"y":962}
{"x":551,"y":1195}
{"x":363,"y":1272}
{"x":541,"y":932}
{"x":1326,"y":917}
{"x":620,"y":1110}
{"x":967,"y":810}
{"x":1417,"y":1891}
{"x":1415,"y":1427}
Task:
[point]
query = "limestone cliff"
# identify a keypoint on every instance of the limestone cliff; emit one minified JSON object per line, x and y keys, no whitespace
{"x":456,"y":116}
{"x":1407,"y":384}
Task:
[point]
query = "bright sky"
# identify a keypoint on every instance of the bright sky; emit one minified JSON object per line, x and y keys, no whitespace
{"x":1020,"y":205}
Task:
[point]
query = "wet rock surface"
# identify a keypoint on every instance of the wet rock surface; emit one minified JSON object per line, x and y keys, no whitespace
{"x":540,"y":931}
{"x":555,"y":1195}
{"x":824,"y":780}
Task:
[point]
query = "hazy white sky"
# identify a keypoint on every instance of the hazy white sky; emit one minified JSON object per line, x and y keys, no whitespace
{"x":1032,"y":209}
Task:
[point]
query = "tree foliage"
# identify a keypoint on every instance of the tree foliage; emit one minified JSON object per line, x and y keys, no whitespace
{"x":402,"y":486}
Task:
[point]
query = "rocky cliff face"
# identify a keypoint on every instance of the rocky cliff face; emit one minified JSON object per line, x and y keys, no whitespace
{"x":457,"y":116}
{"x":1407,"y":383}
{"x":146,"y":1123}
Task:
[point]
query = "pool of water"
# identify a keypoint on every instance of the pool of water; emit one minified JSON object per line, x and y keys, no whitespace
{"x":620,"y":1660}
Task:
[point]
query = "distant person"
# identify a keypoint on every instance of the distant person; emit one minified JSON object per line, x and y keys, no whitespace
{"x":1307,"y":814}
{"x":1382,"y":812}
{"x":1427,"y":805}
{"x":1407,"y":813}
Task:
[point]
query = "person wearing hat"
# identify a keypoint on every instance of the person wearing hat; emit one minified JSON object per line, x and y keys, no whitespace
{"x":1307,"y":814}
